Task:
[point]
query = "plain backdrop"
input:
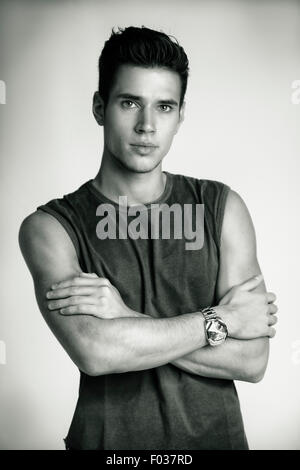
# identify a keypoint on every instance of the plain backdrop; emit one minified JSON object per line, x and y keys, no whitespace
{"x":241,"y":128}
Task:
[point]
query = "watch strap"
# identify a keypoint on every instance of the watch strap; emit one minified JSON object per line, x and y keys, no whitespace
{"x":209,"y":313}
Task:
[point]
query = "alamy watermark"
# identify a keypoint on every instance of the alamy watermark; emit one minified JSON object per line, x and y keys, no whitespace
{"x":295,"y":97}
{"x":159,"y":221}
{"x":296,"y":352}
{"x":2,"y":353}
{"x":2,"y":92}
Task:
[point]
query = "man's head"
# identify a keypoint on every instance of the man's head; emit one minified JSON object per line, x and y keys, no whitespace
{"x":141,"y":47}
{"x":143,"y":78}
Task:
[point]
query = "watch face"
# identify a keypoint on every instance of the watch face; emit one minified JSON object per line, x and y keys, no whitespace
{"x":216,"y":332}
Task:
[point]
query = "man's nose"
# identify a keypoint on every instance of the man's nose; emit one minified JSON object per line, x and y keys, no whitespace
{"x":146,"y":121}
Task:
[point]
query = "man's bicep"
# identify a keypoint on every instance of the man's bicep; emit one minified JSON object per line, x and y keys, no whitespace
{"x":235,"y":359}
{"x":238,"y":254}
{"x":51,"y":257}
{"x":238,"y":262}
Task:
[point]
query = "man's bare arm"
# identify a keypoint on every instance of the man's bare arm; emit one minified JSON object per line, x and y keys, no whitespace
{"x":100,"y":346}
{"x":235,"y":359}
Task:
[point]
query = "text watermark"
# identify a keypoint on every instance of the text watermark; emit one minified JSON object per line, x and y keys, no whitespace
{"x":2,"y":92}
{"x":295,"y":96}
{"x":159,"y":221}
{"x":296,"y":352}
{"x":2,"y":353}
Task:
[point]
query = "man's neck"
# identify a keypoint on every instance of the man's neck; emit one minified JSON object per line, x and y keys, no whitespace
{"x":140,"y":188}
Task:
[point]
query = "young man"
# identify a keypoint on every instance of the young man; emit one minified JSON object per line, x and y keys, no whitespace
{"x":157,"y":365}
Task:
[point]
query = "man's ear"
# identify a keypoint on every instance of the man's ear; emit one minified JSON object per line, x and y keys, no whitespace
{"x":98,"y":108}
{"x":181,"y":117}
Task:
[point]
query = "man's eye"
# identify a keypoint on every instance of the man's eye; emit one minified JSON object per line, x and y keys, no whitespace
{"x":165,"y":108}
{"x":128,"y":104}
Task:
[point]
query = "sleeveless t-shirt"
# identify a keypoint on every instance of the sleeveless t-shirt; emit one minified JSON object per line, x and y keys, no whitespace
{"x":164,"y":407}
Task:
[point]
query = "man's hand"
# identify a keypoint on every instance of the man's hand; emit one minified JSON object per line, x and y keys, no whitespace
{"x":247,"y":314}
{"x":90,"y":295}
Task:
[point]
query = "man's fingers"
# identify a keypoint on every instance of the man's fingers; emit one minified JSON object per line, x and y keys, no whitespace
{"x":82,"y":281}
{"x":251,"y":283}
{"x":70,"y":301}
{"x":79,"y":310}
{"x":271,"y":297}
{"x":89,"y":275}
{"x":272,"y":320}
{"x":272,"y":308}
{"x":271,"y":332}
{"x":69,"y":291}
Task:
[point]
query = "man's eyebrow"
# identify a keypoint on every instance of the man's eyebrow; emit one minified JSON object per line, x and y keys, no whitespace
{"x":172,"y":102}
{"x":129,"y":96}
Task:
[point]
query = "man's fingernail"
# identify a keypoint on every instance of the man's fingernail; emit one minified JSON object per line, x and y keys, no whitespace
{"x":62,"y":311}
{"x":53,"y":286}
{"x":258,"y":277}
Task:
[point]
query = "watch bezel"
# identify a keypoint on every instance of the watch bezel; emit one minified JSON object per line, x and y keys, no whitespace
{"x":209,"y":324}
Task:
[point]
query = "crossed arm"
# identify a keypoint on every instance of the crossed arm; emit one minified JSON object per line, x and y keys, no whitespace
{"x":101,"y":346}
{"x":235,"y":359}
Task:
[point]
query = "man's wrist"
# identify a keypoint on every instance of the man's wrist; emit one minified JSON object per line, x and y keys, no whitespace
{"x":225,"y":312}
{"x":215,"y":328}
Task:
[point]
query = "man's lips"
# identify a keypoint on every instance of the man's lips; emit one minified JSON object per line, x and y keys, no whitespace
{"x":144,"y":144}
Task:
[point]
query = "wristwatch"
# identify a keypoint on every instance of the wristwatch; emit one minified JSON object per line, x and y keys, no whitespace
{"x":215,"y":329}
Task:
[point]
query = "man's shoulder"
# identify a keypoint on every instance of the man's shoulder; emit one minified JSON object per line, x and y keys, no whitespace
{"x":62,"y":208}
{"x":41,"y":228}
{"x":236,"y":208}
{"x":207,"y":182}
{"x":44,"y":244}
{"x":69,"y":195}
{"x":50,"y":227}
{"x":237,"y":222}
{"x":208,"y":191}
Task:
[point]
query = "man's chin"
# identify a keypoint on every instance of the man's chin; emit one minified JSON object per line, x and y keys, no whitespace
{"x":141,"y":166}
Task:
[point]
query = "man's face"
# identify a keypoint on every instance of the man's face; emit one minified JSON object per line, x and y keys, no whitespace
{"x":142,"y":116}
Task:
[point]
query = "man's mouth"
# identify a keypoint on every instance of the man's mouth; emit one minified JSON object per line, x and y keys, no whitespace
{"x":144,"y":144}
{"x":143,"y":148}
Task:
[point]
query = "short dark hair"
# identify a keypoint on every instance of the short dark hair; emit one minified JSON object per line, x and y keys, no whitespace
{"x":143,"y":47}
